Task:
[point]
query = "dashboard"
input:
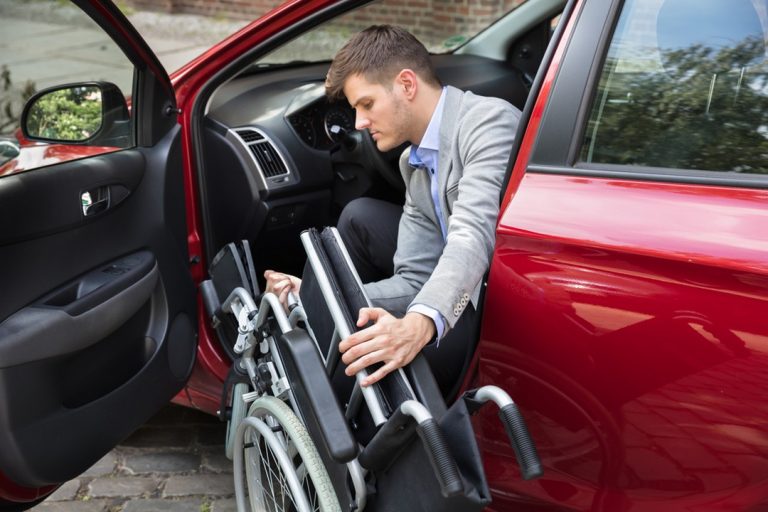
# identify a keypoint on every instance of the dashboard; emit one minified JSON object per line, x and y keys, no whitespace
{"x":287,"y":110}
{"x":289,"y":105}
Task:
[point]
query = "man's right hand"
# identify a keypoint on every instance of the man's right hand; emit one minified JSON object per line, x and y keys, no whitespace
{"x":392,"y":341}
{"x":281,"y":284}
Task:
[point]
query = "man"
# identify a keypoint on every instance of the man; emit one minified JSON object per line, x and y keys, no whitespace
{"x":423,"y":263}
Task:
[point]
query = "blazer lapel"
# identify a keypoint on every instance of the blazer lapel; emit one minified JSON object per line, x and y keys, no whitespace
{"x":418,"y":186}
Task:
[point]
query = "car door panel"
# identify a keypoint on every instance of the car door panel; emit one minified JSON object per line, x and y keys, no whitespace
{"x":98,"y":328}
{"x":623,"y":310}
{"x":58,"y":191}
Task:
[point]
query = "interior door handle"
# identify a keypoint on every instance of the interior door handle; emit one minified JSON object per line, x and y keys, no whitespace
{"x":95,"y":201}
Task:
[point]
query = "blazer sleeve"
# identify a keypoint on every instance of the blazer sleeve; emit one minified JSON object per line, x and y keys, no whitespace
{"x":485,"y":135}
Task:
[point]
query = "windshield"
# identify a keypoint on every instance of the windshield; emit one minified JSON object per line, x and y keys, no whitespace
{"x":441,"y":26}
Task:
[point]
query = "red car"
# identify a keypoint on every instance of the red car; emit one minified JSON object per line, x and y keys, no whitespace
{"x":623,"y":303}
{"x":33,"y":155}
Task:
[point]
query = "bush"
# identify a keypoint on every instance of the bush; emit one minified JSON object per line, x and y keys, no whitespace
{"x":68,"y":114}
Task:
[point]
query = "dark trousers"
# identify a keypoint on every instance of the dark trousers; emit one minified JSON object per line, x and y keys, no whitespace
{"x":369,"y":230}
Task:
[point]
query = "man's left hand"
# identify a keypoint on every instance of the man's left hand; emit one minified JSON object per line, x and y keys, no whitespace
{"x":390,"y":340}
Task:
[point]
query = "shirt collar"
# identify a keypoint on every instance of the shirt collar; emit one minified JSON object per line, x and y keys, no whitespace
{"x":431,"y":138}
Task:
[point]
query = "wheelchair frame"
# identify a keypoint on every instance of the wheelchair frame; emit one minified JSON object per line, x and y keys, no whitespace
{"x":260,"y":370}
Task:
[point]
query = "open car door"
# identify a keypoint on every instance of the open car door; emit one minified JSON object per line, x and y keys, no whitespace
{"x":97,"y":309}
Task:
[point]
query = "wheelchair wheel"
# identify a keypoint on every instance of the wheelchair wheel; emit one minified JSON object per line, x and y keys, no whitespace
{"x":282,"y":468}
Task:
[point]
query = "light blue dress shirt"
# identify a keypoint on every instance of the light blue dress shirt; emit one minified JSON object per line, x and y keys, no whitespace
{"x":425,"y":156}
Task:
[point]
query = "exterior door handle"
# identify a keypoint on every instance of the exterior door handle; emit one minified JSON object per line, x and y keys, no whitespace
{"x":95,"y":201}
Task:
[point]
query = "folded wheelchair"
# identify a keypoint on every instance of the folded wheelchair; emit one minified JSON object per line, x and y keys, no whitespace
{"x":305,"y":437}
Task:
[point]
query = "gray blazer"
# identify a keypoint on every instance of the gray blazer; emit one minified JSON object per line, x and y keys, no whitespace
{"x":476,"y":137}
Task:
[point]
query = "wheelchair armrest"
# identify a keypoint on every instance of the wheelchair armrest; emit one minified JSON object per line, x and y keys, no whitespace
{"x":316,"y":399}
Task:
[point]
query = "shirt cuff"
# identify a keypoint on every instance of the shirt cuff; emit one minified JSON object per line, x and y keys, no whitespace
{"x":436,"y":317}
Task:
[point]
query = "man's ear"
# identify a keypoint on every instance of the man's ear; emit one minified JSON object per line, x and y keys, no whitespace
{"x":408,"y":82}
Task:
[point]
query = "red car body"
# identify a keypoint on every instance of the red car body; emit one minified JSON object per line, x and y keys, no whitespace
{"x":34,"y":155}
{"x":623,"y":315}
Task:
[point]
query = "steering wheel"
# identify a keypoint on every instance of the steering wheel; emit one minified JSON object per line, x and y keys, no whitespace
{"x":358,"y":146}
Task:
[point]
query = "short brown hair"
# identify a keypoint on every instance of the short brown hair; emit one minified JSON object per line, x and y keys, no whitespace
{"x":378,"y":53}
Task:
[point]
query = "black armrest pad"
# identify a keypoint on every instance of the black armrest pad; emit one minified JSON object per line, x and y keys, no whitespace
{"x":316,"y":399}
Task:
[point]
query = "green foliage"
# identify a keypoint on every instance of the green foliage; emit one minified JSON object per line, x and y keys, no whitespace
{"x":67,"y":114}
{"x":706,"y":109}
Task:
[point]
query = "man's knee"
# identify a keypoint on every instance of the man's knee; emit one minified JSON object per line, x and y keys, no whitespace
{"x":353,"y":213}
{"x":357,"y":218}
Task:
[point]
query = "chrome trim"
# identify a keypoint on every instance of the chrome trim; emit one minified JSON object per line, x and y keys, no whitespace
{"x":244,"y":150}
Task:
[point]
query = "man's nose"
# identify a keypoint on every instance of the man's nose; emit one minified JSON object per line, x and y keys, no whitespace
{"x":361,"y":121}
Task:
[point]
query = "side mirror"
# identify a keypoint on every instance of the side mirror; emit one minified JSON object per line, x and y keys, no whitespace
{"x":88,"y":113}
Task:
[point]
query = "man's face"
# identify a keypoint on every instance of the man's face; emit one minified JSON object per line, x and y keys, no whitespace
{"x":383,"y":111}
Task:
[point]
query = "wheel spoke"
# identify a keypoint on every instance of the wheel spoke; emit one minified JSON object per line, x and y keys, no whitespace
{"x":279,"y":478}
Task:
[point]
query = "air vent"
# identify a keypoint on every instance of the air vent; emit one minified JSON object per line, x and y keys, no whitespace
{"x":250,"y":135}
{"x":264,"y":152}
{"x":268,"y":159}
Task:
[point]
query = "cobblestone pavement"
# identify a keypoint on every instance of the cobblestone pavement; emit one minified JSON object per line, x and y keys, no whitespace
{"x":174,"y":463}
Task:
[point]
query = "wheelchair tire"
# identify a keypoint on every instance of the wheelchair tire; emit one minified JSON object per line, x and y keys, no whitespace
{"x":239,"y":409}
{"x":278,"y":458}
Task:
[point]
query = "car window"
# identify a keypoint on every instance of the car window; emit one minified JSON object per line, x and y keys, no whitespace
{"x":45,"y":45}
{"x":441,"y":32}
{"x":685,"y":86}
